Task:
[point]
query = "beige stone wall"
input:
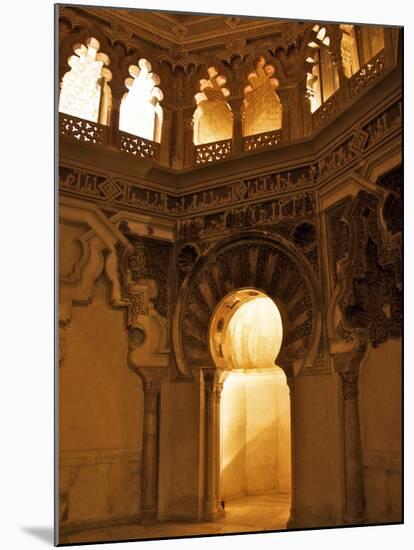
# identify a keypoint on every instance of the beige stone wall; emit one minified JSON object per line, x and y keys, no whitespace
{"x":255,"y":438}
{"x":380,"y":413}
{"x":100,"y":416}
{"x":182,"y":466}
{"x":318,"y":451}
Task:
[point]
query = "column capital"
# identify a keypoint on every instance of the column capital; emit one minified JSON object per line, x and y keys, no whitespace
{"x":213,"y":390}
{"x":152,"y":388}
{"x":349,"y":384}
{"x":213,"y":383}
{"x":236,"y":104}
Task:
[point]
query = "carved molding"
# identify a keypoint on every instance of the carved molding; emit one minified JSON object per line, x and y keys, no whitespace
{"x":70,"y":459}
{"x":98,"y":245}
{"x":113,"y":191}
{"x":382,"y":461}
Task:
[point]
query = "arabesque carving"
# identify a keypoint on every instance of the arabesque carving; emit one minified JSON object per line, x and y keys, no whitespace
{"x":250,"y":261}
{"x":371,"y":297}
{"x":143,"y":272}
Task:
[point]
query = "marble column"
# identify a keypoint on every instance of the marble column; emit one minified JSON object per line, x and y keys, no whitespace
{"x":338,"y":62}
{"x":165,"y":145}
{"x":290,"y":379}
{"x":178,"y":144}
{"x":307,"y":115}
{"x":189,"y":147}
{"x":113,"y":133}
{"x":149,"y":472}
{"x":213,"y":388}
{"x":150,"y":457}
{"x":285,"y":98}
{"x":353,"y":456}
{"x":237,"y":141}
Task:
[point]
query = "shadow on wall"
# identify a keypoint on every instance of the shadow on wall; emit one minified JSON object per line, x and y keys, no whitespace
{"x":258,"y":467}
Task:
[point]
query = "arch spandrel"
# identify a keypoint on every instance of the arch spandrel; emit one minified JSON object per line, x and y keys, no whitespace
{"x":253,"y":260}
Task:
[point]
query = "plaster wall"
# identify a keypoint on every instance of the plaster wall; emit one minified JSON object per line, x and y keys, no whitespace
{"x":380,"y":413}
{"x":100,"y":416}
{"x":318,"y":451}
{"x":181,"y":470}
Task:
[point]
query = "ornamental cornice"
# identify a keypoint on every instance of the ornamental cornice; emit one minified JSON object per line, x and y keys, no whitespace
{"x":306,"y":173}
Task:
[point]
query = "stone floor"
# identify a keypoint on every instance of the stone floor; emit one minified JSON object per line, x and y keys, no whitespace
{"x":249,"y":514}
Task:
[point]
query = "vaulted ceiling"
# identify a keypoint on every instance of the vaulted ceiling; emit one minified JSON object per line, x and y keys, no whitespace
{"x":194,"y":32}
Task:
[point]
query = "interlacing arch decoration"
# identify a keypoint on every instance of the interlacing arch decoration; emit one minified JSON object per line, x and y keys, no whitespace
{"x":141,"y":113}
{"x":370,"y":274}
{"x":262,"y":109}
{"x":85,"y":92}
{"x":322,"y":79}
{"x":256,"y":261}
{"x":212,"y":119}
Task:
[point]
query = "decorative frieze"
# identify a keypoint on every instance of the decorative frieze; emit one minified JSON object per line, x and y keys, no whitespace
{"x":382,"y":124}
{"x":252,"y":215}
{"x":105,"y":456}
{"x":128,"y":195}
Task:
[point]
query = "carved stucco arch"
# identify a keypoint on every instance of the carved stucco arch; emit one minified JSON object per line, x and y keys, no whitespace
{"x":253,"y":260}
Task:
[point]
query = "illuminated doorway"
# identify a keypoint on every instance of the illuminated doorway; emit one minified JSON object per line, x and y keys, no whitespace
{"x":255,"y":441}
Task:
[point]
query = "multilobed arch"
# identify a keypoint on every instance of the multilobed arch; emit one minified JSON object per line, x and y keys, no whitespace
{"x":212,"y":119}
{"x":85,"y":92}
{"x":262,"y":109}
{"x":252,"y":261}
{"x":322,"y":79}
{"x":349,"y":50}
{"x":141,"y":113}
